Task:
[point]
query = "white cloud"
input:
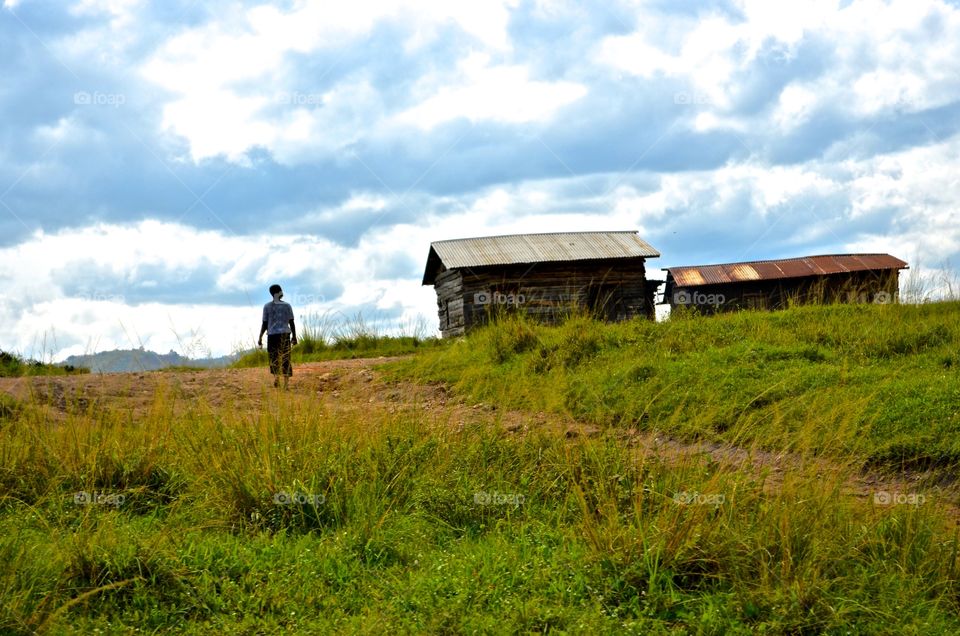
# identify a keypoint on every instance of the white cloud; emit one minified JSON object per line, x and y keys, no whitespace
{"x":708,"y":121}
{"x":708,"y":53}
{"x":204,"y":68}
{"x":67,"y":131}
{"x":192,"y":330}
{"x":899,"y":55}
{"x":498,"y":93}
{"x":124,"y":251}
{"x":105,"y":41}
{"x":796,"y":103}
{"x":364,"y":201}
{"x":219,"y":122}
{"x":632,"y":53}
{"x":115,"y":258}
{"x":119,"y":10}
{"x":922,"y":186}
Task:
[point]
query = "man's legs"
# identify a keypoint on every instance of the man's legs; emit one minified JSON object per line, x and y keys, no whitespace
{"x":273,"y":351}
{"x":278,"y":346}
{"x":286,"y":363}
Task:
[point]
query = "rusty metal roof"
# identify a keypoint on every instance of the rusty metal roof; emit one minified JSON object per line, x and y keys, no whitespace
{"x":694,"y":275}
{"x":534,"y":248}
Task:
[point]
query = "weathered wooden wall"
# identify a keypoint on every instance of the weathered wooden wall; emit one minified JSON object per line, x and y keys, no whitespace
{"x":449,"y":288}
{"x":612,"y":289}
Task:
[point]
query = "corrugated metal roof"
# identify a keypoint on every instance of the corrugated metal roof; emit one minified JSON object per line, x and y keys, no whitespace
{"x":695,"y":275}
{"x":517,"y":249}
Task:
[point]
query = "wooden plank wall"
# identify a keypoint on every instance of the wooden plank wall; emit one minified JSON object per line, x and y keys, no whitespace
{"x":449,"y":288}
{"x":869,"y":286}
{"x":613,"y":289}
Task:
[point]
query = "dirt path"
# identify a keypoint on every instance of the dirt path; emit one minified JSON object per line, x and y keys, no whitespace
{"x":350,"y":385}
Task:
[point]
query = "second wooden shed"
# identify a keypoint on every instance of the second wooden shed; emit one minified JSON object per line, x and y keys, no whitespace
{"x":775,"y":284}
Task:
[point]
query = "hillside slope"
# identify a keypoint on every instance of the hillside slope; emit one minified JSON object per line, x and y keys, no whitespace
{"x":878,"y":384}
{"x":698,"y":476}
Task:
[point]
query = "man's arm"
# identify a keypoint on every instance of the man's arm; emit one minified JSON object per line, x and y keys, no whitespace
{"x":263,"y":327}
{"x":293,"y":331}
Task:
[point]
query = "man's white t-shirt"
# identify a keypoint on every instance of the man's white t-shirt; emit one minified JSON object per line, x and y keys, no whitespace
{"x":277,"y":314}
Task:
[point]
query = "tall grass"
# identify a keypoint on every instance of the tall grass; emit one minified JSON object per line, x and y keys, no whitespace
{"x":921,"y":285}
{"x":297,"y":512}
{"x":407,"y":523}
{"x":332,"y":335}
{"x":876,"y":383}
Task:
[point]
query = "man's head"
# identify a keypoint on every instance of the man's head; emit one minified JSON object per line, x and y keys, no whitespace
{"x":275,"y":291}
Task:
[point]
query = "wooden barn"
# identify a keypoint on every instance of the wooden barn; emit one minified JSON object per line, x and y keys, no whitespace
{"x":542,"y":275}
{"x":776,"y":283}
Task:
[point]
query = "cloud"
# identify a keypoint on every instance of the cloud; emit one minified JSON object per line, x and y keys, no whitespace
{"x":212,"y":69}
{"x":167,"y":161}
{"x":884,"y":56}
{"x":500,"y":93}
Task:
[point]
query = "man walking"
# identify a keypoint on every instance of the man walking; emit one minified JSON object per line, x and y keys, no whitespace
{"x":279,"y":327}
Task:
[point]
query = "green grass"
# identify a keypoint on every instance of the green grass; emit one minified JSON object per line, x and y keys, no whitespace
{"x":878,"y":383}
{"x":399,"y":543}
{"x":589,"y":536}
{"x":326,"y":338}
{"x":12,"y":366}
{"x":311,"y":350}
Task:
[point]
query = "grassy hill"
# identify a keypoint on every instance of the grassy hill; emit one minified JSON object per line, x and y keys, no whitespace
{"x":311,"y":348}
{"x":373,"y":501}
{"x":12,"y":366}
{"x":127,"y":360}
{"x":875,"y":383}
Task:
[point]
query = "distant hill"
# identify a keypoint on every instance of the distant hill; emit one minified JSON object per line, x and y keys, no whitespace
{"x":140,"y":360}
{"x":12,"y":366}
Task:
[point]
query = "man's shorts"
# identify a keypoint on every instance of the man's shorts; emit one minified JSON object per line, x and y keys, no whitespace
{"x":278,"y":347}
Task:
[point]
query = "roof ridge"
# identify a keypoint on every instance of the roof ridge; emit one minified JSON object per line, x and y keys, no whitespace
{"x":790,"y":258}
{"x":522,"y":234}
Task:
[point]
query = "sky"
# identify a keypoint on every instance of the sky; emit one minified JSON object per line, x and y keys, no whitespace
{"x":161,"y":164}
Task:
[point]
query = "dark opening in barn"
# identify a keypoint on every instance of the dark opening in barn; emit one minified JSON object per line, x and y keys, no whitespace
{"x":775,"y":284}
{"x":545,"y":276}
